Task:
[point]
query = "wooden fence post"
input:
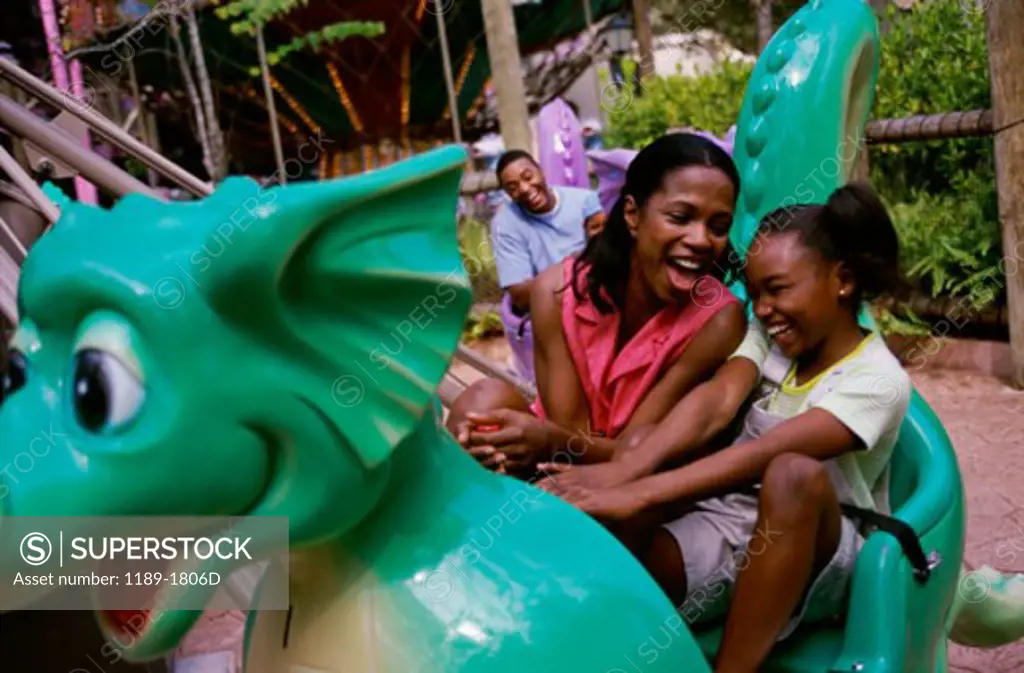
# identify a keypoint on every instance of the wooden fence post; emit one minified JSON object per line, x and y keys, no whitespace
{"x":1005,"y":56}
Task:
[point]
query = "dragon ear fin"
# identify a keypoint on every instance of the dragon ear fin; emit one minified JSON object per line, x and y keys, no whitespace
{"x":359,"y":282}
{"x":57,"y":195}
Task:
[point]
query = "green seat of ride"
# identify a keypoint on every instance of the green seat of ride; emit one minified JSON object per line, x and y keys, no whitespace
{"x":894,"y":622}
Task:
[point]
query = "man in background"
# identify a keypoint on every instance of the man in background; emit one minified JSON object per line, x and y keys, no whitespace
{"x":540,"y":226}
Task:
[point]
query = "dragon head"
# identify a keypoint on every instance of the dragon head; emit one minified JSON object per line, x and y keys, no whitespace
{"x":260,"y":352}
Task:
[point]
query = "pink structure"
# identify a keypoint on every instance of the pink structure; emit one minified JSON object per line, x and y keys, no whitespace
{"x":84,"y":190}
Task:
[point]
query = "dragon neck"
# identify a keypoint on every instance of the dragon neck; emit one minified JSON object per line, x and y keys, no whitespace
{"x":429,"y":473}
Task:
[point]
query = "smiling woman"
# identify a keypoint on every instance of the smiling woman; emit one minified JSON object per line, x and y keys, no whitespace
{"x":627,"y":326}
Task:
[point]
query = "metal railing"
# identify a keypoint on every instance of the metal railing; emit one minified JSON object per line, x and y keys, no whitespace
{"x":103,"y":127}
{"x":69,"y":150}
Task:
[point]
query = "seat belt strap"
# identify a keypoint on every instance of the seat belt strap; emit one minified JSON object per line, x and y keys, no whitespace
{"x":901,"y":530}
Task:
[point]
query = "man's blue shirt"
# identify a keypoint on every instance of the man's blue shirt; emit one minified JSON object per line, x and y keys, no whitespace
{"x":526,"y":243}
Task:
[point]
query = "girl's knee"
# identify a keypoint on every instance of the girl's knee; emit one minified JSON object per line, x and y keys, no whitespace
{"x":797,"y":477}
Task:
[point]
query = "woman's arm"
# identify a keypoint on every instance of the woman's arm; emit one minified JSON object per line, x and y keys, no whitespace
{"x":697,"y":419}
{"x":693,"y":421}
{"x":704,"y":355}
{"x":558,"y":383}
{"x":815,"y":433}
{"x":692,"y":424}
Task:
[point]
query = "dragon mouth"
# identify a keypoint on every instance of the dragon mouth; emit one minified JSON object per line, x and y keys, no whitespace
{"x":149,"y":606}
{"x":125,"y":624}
{"x":135,"y":586}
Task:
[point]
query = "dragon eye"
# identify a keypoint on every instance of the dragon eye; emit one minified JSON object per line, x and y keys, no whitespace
{"x":106,"y":394}
{"x":14,"y":378}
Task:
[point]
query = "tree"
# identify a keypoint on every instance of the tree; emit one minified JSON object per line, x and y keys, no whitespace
{"x":248,"y":16}
{"x":197,"y":84}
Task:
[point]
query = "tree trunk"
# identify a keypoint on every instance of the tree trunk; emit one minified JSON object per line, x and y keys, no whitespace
{"x":880,"y":7}
{"x":1005,"y":55}
{"x":217,"y":149}
{"x":197,"y":105}
{"x":143,"y":119}
{"x":268,"y":92}
{"x":644,"y":41}
{"x":763,"y":18}
{"x":506,"y":66}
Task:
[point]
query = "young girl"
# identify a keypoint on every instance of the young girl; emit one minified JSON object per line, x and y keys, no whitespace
{"x":820,"y":433}
{"x":628,"y":326}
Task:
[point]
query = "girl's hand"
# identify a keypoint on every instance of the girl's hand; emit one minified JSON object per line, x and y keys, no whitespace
{"x":521,"y":439}
{"x":565,"y":476}
{"x":607,"y":504}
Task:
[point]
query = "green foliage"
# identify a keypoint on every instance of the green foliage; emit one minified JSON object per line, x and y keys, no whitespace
{"x":710,"y":101}
{"x":335,"y":32}
{"x":951,"y":241}
{"x":255,"y":12}
{"x":933,"y":59}
{"x":247,"y":15}
{"x":481,"y":326}
{"x":943,"y":193}
{"x":908,"y":325}
{"x":478,"y":259}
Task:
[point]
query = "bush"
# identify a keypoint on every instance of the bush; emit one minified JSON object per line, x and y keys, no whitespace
{"x":478,"y":259}
{"x":933,"y":60}
{"x":943,"y":193}
{"x":710,"y":101}
{"x":951,"y":241}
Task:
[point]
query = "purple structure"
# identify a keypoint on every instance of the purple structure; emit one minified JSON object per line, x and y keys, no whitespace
{"x":610,"y":166}
{"x":519,"y":333}
{"x":560,"y":146}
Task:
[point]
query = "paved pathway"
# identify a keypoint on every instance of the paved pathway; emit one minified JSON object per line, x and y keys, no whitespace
{"x":985,"y":420}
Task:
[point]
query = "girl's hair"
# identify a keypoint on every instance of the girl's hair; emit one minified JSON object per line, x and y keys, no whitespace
{"x":853,"y":228}
{"x":606,"y":257}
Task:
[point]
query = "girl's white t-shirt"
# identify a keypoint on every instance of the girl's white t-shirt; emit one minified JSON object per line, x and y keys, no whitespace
{"x":868,"y":391}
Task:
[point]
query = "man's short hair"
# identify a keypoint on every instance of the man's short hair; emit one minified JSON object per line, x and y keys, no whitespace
{"x":512,"y":155}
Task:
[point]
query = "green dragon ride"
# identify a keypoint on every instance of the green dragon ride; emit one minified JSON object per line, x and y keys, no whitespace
{"x":276,"y":352}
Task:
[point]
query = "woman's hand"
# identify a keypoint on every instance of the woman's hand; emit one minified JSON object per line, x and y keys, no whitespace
{"x":485,"y":454}
{"x":520,"y":441}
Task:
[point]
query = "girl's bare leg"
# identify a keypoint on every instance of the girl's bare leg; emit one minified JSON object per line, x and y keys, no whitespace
{"x":798,"y":529}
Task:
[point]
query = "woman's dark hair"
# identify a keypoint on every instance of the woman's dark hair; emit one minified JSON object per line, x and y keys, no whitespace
{"x":853,"y":228}
{"x":606,"y":257}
